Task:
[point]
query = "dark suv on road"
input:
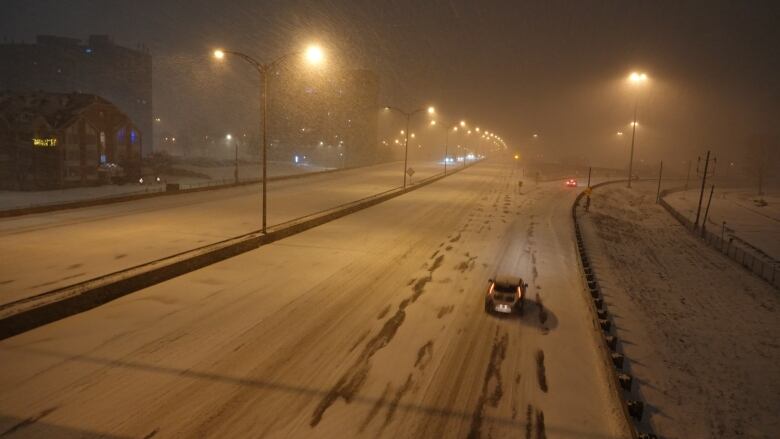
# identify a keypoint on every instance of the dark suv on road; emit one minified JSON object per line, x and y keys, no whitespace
{"x":505,"y":295}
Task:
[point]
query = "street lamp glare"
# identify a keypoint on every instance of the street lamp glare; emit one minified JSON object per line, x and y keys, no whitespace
{"x":431,"y":110}
{"x":219,"y":54}
{"x":229,"y":137}
{"x":433,"y":122}
{"x":637,"y":77}
{"x":463,"y":123}
{"x":314,"y":55}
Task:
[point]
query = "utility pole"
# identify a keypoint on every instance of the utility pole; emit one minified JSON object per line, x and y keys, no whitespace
{"x":688,"y":177}
{"x":590,"y":168}
{"x":707,"y":212}
{"x":658,"y":192}
{"x":631,"y":157}
{"x":703,"y":184}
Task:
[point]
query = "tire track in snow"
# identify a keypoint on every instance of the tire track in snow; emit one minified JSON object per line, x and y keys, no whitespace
{"x":492,"y":375}
{"x":354,"y":378}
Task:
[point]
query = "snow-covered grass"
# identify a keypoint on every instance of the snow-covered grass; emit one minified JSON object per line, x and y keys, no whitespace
{"x":743,"y":213}
{"x":699,"y":332}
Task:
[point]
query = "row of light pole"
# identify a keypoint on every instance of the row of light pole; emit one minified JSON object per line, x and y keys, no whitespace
{"x":315,"y":56}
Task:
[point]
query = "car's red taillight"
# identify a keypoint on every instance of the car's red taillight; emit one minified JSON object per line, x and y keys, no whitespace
{"x":519,"y":293}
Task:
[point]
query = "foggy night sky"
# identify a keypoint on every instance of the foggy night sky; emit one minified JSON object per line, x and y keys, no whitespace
{"x":556,"y":68}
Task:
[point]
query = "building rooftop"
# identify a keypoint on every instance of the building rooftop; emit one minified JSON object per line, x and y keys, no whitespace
{"x":21,"y":109}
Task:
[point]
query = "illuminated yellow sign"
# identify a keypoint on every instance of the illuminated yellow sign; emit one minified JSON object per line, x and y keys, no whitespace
{"x":50,"y":142}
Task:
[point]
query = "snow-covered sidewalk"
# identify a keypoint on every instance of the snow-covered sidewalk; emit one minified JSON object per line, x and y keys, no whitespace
{"x":699,"y":332}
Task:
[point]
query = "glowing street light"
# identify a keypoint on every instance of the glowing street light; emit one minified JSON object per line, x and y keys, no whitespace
{"x":229,"y":137}
{"x":637,"y":77}
{"x":314,"y":55}
{"x":620,"y":133}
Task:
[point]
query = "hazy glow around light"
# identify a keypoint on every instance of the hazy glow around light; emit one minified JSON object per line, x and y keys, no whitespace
{"x":314,"y":54}
{"x":219,"y":54}
{"x":637,"y":77}
{"x":229,"y":137}
{"x":463,"y":123}
{"x":431,"y":110}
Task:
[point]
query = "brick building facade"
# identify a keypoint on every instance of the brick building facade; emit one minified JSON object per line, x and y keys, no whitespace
{"x":56,"y":140}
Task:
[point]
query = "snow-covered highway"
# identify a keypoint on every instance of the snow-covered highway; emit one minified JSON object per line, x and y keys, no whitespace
{"x":368,"y":326}
{"x":56,"y":249}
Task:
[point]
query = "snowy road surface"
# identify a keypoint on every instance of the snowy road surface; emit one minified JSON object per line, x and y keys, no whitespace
{"x":56,"y":249}
{"x":699,"y":332}
{"x":368,"y":326}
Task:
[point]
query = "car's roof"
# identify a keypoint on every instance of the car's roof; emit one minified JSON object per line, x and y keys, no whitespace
{"x":505,"y":279}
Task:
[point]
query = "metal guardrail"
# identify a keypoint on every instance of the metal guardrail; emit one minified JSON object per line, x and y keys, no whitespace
{"x":760,"y":265}
{"x":621,"y":383}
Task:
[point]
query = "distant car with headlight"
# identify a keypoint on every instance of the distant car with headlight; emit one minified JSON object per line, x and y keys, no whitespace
{"x":505,"y":295}
{"x":571,"y":182}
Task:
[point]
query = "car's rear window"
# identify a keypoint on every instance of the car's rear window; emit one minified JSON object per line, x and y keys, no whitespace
{"x":506,"y":288}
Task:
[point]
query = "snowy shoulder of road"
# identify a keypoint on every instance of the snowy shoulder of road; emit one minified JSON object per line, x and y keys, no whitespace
{"x":751,"y":218}
{"x":699,"y":332}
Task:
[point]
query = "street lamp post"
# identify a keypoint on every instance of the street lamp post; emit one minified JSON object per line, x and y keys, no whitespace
{"x":314,"y":55}
{"x":408,"y":115}
{"x":446,"y":142}
{"x":636,"y":79}
{"x":235,"y":148}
